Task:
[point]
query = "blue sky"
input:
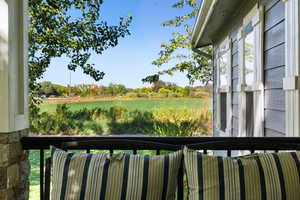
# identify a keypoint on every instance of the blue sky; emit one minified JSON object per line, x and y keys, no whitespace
{"x":130,"y":61}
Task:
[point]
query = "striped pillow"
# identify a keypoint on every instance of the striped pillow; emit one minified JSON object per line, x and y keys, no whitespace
{"x":83,"y":176}
{"x":261,"y":177}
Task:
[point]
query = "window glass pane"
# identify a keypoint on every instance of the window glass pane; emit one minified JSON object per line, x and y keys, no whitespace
{"x":249,"y":114}
{"x":223,"y":110}
{"x":249,"y":54}
{"x":223,"y":60}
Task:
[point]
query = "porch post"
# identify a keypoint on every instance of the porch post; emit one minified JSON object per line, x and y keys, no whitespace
{"x":291,"y":80}
{"x":14,"y":123}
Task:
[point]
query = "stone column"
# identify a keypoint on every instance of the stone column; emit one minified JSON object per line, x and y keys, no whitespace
{"x":14,"y":164}
{"x":14,"y":167}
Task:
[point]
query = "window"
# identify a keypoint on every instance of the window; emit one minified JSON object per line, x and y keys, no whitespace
{"x":223,"y":88}
{"x":251,"y":74}
{"x":249,"y":54}
{"x":249,"y":114}
{"x":223,"y":69}
{"x":223,"y":111}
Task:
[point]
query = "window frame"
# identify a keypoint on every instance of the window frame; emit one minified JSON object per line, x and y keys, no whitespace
{"x":255,"y":16}
{"x":224,"y":49}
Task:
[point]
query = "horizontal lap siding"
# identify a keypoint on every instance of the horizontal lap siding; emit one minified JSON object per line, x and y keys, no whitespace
{"x":272,"y":133}
{"x":273,"y":78}
{"x":274,"y":119}
{"x":275,"y":100}
{"x":274,"y":68}
{"x":275,"y":57}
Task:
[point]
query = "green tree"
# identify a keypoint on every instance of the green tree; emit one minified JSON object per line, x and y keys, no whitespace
{"x":179,"y":49}
{"x":115,"y":89}
{"x":157,"y":84}
{"x":46,"y":88}
{"x":163,"y":92}
{"x":60,"y":90}
{"x":71,"y":28}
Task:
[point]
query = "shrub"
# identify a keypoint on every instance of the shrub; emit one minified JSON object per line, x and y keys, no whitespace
{"x":116,"y":112}
{"x":97,"y":113}
{"x":162,"y":92}
{"x":64,"y":121}
{"x":93,"y":127}
{"x":137,"y":122}
{"x":132,"y":95}
{"x":162,"y":122}
{"x":142,"y":94}
{"x":182,"y":123}
{"x":83,"y":114}
{"x":62,"y":112}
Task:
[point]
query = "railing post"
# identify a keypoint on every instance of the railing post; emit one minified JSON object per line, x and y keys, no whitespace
{"x":42,"y":174}
{"x":180,"y":192}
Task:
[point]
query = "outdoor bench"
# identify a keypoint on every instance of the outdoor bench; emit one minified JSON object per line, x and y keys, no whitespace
{"x":206,"y":145}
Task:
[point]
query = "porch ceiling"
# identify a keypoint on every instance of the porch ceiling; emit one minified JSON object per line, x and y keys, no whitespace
{"x":212,"y":16}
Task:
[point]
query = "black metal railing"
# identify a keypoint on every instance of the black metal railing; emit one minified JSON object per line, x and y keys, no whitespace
{"x":137,"y":143}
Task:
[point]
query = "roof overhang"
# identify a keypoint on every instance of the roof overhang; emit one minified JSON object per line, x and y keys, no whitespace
{"x":213,"y":14}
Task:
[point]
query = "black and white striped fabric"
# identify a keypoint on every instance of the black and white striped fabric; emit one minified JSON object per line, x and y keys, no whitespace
{"x":270,"y":176}
{"x":80,"y":176}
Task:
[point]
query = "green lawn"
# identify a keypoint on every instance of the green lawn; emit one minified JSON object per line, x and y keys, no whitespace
{"x":140,"y":104}
{"x":191,"y":105}
{"x":34,"y":157}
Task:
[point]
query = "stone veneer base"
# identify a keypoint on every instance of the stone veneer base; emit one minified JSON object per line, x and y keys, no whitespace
{"x":14,"y":167}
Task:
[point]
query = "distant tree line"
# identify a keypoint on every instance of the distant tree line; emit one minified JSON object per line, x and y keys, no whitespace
{"x":158,"y":89}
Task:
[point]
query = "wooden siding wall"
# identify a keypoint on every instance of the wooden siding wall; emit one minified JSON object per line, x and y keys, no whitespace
{"x":274,"y":67}
{"x":274,"y":70}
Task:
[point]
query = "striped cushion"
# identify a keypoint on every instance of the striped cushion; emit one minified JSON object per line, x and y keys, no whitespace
{"x":261,"y":177}
{"x":83,"y":176}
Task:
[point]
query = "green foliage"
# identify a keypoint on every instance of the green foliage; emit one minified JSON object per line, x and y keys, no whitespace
{"x":172,"y":122}
{"x":92,"y":127}
{"x":46,"y":88}
{"x":163,"y":92}
{"x":137,"y":122}
{"x":119,"y":120}
{"x":66,"y":122}
{"x":115,"y":89}
{"x":116,"y":112}
{"x":159,"y":89}
{"x":179,"y":49}
{"x":55,"y":32}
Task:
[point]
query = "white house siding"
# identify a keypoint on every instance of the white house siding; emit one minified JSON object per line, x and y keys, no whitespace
{"x":274,"y":68}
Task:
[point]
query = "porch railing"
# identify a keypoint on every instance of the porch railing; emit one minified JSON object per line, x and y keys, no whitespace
{"x":112,"y":143}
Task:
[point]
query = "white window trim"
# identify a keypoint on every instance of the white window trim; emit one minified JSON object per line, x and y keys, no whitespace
{"x":256,"y":17}
{"x":290,"y":81}
{"x":227,"y":89}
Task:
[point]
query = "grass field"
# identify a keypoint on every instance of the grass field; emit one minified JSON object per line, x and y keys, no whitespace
{"x":192,"y":105}
{"x":139,"y":104}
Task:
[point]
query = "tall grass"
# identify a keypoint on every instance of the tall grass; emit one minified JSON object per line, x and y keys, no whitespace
{"x":118,"y":120}
{"x":171,"y":122}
